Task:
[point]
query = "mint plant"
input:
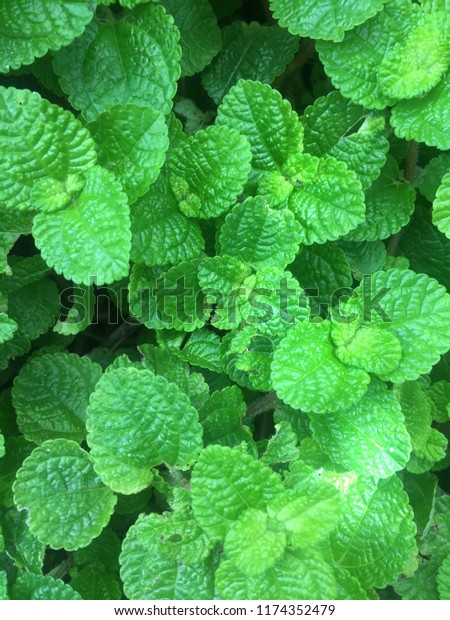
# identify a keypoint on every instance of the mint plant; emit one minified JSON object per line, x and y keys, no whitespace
{"x":224,"y":299}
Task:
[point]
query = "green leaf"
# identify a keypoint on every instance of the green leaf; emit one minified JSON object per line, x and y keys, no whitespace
{"x":7,"y":241}
{"x":29,"y":587}
{"x":21,"y":545}
{"x":51,"y":394}
{"x":374,"y":540}
{"x":221,"y":418}
{"x":370,"y":437}
{"x":161,"y":234}
{"x":209,"y":170}
{"x":225,"y":483}
{"x":420,"y":586}
{"x":29,"y":29}
{"x":131,"y":60}
{"x":439,"y":393}
{"x":421,"y":491}
{"x":326,"y":19}
{"x":255,"y":542}
{"x":91,"y":238}
{"x":16,"y":450}
{"x":437,"y":541}
{"x":200,"y":36}
{"x":61,"y":469}
{"x":335,"y":127}
{"x":441,"y":207}
{"x":389,"y":205}
{"x":432,"y":175}
{"x":201,"y":348}
{"x":327,"y":199}
{"x":104,"y":549}
{"x":413,"y":67}
{"x":137,"y":420}
{"x":425,"y":119}
{"x":364,"y":257}
{"x":49,"y":143}
{"x":3,"y":586}
{"x":95,"y":583}
{"x":250,"y":51}
{"x":443,"y":580}
{"x":418,"y":320}
{"x":131,"y":142}
{"x":297,"y":576}
{"x":80,"y":314}
{"x":267,"y":120}
{"x":353,"y":63}
{"x":150,"y":574}
{"x":7,"y":327}
{"x":282,"y":446}
{"x":259,"y":235}
{"x":307,"y":375}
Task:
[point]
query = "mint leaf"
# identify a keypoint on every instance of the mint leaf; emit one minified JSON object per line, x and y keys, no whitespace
{"x":140,"y":63}
{"x":60,"y":468}
{"x":51,"y":395}
{"x":95,"y":583}
{"x":80,"y":314}
{"x":250,"y":51}
{"x":443,"y":580}
{"x":208,"y":171}
{"x":21,"y":546}
{"x":81,"y":241}
{"x":432,"y":175}
{"x":136,"y":420}
{"x":441,"y":206}
{"x":31,"y":587}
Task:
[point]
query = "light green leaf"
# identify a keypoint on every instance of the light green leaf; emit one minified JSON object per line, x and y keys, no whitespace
{"x":139,"y":63}
{"x":80,"y":314}
{"x":226,"y":482}
{"x":132,"y":142}
{"x":29,"y":587}
{"x":267,"y":120}
{"x":95,"y":583}
{"x":439,"y":393}
{"x":150,"y":574}
{"x":259,"y":235}
{"x":21,"y":546}
{"x":49,"y":142}
{"x":443,"y":580}
{"x":425,"y":119}
{"x":327,"y":199}
{"x":282,"y":446}
{"x":7,"y":241}
{"x":353,"y":63}
{"x":297,"y":576}
{"x":200,"y":36}
{"x":91,"y":238}
{"x":3,"y":586}
{"x":369,"y":437}
{"x":307,"y":375}
{"x":137,"y":420}
{"x":437,"y":541}
{"x":201,"y":348}
{"x":30,"y":28}
{"x":432,"y":175}
{"x":16,"y":451}
{"x":255,"y":542}
{"x":441,"y":207}
{"x":161,"y":234}
{"x":338,"y":128}
{"x":420,"y":586}
{"x":374,"y":540}
{"x":412,"y":67}
{"x":417,"y":319}
{"x":7,"y":327}
{"x":209,"y":170}
{"x":421,"y":491}
{"x":51,"y":395}
{"x":221,"y":418}
{"x":250,"y":51}
{"x":2,"y":446}
{"x":61,"y":469}
{"x":326,"y":19}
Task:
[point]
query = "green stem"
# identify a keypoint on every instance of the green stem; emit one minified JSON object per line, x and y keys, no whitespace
{"x":266,"y":403}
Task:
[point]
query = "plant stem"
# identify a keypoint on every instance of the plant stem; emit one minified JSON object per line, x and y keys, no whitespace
{"x":299,"y":61}
{"x":410,"y":176}
{"x":261,"y":405}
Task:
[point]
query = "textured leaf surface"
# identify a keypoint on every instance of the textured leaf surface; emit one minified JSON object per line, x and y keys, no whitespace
{"x":250,"y":51}
{"x":375,"y":536}
{"x":327,"y":199}
{"x":389,"y":205}
{"x":51,"y":395}
{"x":267,"y":120}
{"x":443,"y":580}
{"x":16,"y":450}
{"x":200,"y":36}
{"x":66,"y":501}
{"x":425,"y":119}
{"x":131,"y":142}
{"x":80,"y":314}
{"x":330,"y":130}
{"x":29,"y":29}
{"x":135,"y":421}
{"x":432,"y":176}
{"x":48,"y":143}
{"x":31,"y":587}
{"x":370,"y":437}
{"x":26,"y":551}
{"x":307,"y":375}
{"x":161,"y":234}
{"x":208,"y":171}
{"x":95,"y":583}
{"x":326,"y":19}
{"x":354,"y":62}
{"x":227,"y":482}
{"x":441,"y":207}
{"x":90,"y":239}
{"x":259,"y":235}
{"x":139,"y":63}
